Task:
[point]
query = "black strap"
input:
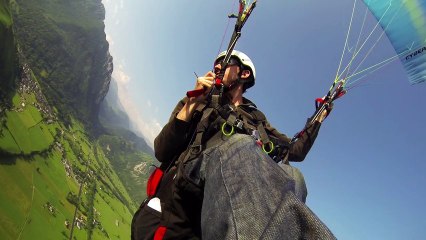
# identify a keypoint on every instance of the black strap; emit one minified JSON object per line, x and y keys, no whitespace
{"x":247,"y":119}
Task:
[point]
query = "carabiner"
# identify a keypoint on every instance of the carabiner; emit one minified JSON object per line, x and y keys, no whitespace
{"x":227,"y":133}
{"x":271,"y":146}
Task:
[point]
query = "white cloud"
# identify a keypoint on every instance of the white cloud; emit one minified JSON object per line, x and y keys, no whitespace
{"x":149,"y":129}
{"x":121,"y":77}
{"x":115,"y":12}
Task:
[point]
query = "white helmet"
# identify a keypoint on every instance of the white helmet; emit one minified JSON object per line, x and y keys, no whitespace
{"x":246,"y":62}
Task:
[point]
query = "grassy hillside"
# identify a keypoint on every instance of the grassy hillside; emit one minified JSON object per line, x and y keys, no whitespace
{"x":131,"y":164}
{"x":42,"y":165}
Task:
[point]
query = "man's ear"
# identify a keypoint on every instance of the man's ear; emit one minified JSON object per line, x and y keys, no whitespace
{"x":245,"y":74}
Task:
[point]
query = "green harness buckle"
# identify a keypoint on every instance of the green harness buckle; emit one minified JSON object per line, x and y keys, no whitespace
{"x":271,"y":147}
{"x":224,"y":126}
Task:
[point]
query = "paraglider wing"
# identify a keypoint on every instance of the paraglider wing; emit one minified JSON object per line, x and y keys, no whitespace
{"x":404,"y":22}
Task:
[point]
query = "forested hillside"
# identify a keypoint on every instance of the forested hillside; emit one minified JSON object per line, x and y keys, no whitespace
{"x":60,"y":164}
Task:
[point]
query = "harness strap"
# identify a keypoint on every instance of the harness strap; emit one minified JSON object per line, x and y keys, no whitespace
{"x":267,"y":144}
{"x":247,"y":119}
{"x":196,"y":146}
{"x":231,"y":121}
{"x":261,"y":134}
{"x":202,"y":126}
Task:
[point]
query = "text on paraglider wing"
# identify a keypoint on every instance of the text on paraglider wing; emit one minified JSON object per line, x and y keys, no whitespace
{"x":415,"y":53}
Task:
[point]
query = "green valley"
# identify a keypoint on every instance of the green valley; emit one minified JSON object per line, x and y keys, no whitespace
{"x":64,"y":174}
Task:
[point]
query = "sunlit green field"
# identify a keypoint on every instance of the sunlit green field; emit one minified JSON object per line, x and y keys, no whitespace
{"x":35,"y":181}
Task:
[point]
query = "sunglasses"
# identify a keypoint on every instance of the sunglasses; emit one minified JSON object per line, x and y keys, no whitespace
{"x":232,"y":62}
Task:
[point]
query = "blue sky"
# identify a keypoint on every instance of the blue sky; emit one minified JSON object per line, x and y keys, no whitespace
{"x":366,"y":171}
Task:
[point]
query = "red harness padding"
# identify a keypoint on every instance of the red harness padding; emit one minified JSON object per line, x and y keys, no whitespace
{"x":159,"y":234}
{"x":153,"y":182}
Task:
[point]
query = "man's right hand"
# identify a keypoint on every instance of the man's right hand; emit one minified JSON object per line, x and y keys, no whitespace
{"x":205,"y":82}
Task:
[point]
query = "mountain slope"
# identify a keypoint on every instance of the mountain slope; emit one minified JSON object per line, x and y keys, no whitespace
{"x":64,"y":44}
{"x":130,"y":155}
{"x":55,"y":157}
{"x":8,"y":57}
{"x":111,"y":112}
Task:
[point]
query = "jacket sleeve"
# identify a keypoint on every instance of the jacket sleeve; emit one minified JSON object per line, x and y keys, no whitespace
{"x":173,"y":138}
{"x":297,"y":151}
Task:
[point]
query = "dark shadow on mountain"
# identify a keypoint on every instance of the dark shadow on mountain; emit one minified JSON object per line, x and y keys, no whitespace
{"x":9,"y":67}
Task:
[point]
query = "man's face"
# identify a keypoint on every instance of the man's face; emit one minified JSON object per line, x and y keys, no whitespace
{"x":231,"y":73}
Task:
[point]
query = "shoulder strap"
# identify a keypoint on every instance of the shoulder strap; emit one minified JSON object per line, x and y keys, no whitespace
{"x":251,"y":114}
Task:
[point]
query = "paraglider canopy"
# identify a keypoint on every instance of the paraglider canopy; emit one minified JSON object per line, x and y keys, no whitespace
{"x":405,"y":25}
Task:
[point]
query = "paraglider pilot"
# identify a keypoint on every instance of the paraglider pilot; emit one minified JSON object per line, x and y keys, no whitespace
{"x":225,"y":170}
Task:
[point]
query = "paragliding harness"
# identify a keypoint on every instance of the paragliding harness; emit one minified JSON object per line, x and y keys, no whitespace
{"x":181,"y":196}
{"x":219,"y":122}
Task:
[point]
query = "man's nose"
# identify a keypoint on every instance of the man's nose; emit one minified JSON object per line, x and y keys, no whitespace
{"x":217,"y":68}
